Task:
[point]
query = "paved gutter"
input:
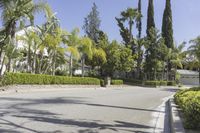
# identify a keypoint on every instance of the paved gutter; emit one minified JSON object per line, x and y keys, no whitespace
{"x":176,"y":123}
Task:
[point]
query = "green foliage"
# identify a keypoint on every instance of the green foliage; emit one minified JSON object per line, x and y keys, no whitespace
{"x":129,"y":16}
{"x":178,"y":76}
{"x":102,"y":83}
{"x":163,"y":83}
{"x":139,"y":20}
{"x":99,"y":57}
{"x":133,"y":81}
{"x":92,"y":24}
{"x":155,"y":53}
{"x":119,"y":58}
{"x":59,"y":72}
{"x":150,"y":18}
{"x":171,"y":83}
{"x":194,"y":50}
{"x":167,"y":27}
{"x":14,"y":11}
{"x":117,"y":82}
{"x":25,"y":78}
{"x":156,"y":83}
{"x":189,"y":101}
{"x":152,"y":83}
{"x":176,"y":55}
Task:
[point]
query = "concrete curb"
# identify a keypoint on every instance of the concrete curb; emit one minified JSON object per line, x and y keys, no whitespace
{"x":43,"y":88}
{"x":176,"y":124}
{"x":39,"y":88}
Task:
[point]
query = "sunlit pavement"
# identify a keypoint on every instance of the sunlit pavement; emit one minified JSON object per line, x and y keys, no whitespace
{"x":123,"y":110}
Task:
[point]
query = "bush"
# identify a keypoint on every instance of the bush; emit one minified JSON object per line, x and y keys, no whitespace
{"x":171,"y":83}
{"x":152,"y":83}
{"x":25,"y":78}
{"x":133,"y":81}
{"x":102,"y":83}
{"x":189,"y":101}
{"x":117,"y":82}
{"x":61,"y":73}
{"x":163,"y":83}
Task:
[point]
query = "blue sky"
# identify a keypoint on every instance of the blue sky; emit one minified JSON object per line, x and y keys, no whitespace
{"x":186,"y":15}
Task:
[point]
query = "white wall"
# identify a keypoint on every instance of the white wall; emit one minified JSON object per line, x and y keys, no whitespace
{"x":189,"y":80}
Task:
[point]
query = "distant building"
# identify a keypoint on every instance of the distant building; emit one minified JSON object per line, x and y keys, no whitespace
{"x":189,"y":77}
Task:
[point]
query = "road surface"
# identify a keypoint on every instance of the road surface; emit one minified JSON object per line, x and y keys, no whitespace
{"x":114,"y":110}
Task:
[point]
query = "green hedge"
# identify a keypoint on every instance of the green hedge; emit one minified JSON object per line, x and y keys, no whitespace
{"x":117,"y":82}
{"x":171,"y":83}
{"x":152,"y":83}
{"x":146,"y":83}
{"x":102,"y":83}
{"x":25,"y":78}
{"x":159,"y":83}
{"x":163,"y":83}
{"x":189,"y":101}
{"x":133,"y":81}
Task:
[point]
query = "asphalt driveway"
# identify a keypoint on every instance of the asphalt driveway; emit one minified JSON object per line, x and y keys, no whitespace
{"x":122,"y":110}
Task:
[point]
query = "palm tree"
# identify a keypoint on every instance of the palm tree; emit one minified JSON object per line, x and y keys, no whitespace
{"x":194,"y":50}
{"x":28,"y":39}
{"x":73,"y":43}
{"x":51,"y":36}
{"x":130,"y":16}
{"x":178,"y":55}
{"x":85,"y":49}
{"x":53,"y":41}
{"x":14,"y":11}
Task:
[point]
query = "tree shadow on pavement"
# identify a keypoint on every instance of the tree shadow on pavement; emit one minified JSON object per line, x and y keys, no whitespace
{"x":170,"y":89}
{"x":19,"y":108}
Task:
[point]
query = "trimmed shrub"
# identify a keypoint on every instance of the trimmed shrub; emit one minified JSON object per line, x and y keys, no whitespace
{"x":152,"y":83}
{"x":117,"y":82}
{"x":102,"y":83}
{"x":171,"y":83}
{"x":25,"y":78}
{"x":133,"y":81}
{"x":163,"y":83}
{"x":189,"y":101}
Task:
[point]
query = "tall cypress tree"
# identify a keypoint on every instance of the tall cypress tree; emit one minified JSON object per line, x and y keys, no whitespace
{"x":150,"y":17}
{"x":167,"y":29}
{"x":139,"y":22}
{"x":92,"y":24}
{"x":140,"y":44}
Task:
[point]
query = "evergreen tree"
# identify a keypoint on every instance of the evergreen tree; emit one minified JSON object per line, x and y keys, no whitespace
{"x":150,"y":17}
{"x":167,"y":29}
{"x":92,"y":24}
{"x":139,"y":21}
{"x":140,"y":41}
{"x":155,"y":53}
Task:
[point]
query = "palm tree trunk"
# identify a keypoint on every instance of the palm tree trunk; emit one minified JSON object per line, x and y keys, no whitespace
{"x":83,"y":66}
{"x":155,"y":74}
{"x":47,"y":67}
{"x":1,"y":51}
{"x":199,"y":76}
{"x":54,"y":64}
{"x":40,"y":64}
{"x":34,"y":63}
{"x":29,"y":59}
{"x":71,"y":65}
{"x":2,"y":64}
{"x":9,"y":64}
